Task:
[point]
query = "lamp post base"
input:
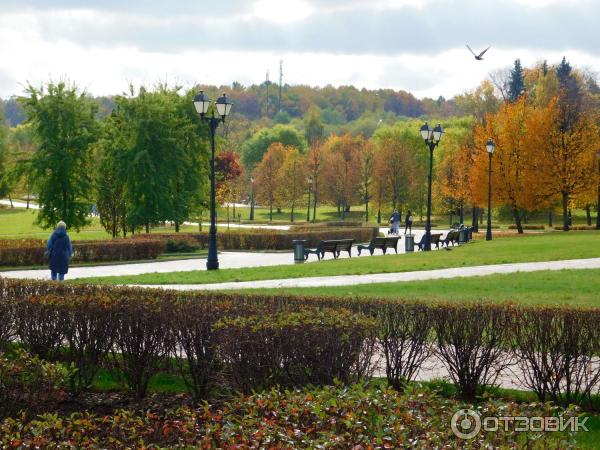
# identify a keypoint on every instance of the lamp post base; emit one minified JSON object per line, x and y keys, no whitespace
{"x":212,"y":265}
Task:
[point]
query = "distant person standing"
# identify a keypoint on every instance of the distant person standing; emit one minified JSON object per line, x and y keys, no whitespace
{"x":59,"y":251}
{"x":395,"y":219}
{"x":408,"y":222}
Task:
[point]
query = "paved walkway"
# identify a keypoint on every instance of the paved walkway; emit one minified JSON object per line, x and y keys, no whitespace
{"x":227,"y":260}
{"x":351,"y":280}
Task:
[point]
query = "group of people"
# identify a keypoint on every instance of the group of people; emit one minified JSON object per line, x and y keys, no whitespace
{"x":395,"y":220}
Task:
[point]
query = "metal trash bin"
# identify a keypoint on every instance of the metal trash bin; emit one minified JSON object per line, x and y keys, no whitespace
{"x":409,"y":243}
{"x":462,"y":236}
{"x":299,"y":245}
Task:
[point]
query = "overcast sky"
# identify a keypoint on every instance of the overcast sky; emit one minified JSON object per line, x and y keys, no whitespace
{"x":415,"y":45}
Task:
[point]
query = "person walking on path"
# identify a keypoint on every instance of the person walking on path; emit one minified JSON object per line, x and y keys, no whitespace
{"x":408,"y":222}
{"x":59,"y":251}
{"x":395,"y":222}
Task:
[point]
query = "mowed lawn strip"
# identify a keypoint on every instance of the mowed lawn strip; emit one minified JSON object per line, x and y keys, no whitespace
{"x":541,"y":247}
{"x":563,"y":287}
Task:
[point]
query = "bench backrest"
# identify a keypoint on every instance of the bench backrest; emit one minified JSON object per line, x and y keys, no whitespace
{"x":335,"y":244}
{"x":435,"y":238}
{"x":327,"y":245}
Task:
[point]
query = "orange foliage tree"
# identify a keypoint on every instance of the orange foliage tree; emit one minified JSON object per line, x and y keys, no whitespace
{"x":314,"y":160}
{"x":566,"y":144}
{"x":341,"y":171}
{"x":266,"y":175}
{"x":292,"y":180}
{"x":512,"y":173}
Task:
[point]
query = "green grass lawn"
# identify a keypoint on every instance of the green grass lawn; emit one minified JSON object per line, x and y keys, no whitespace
{"x":541,"y":247}
{"x":565,"y":287}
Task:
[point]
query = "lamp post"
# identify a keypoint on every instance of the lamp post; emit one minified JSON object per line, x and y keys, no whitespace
{"x":598,"y":205}
{"x":432,"y":137}
{"x":222,"y":107}
{"x":310,"y":182}
{"x":251,"y":198}
{"x":490,"y":147}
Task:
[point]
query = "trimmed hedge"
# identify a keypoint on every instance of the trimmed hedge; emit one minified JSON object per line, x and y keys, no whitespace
{"x":270,"y":239}
{"x":252,"y":341}
{"x":31,"y":252}
{"x":528,"y":227}
{"x":577,"y":227}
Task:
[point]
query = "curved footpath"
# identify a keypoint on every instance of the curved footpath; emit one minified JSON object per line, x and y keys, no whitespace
{"x":350,"y":280}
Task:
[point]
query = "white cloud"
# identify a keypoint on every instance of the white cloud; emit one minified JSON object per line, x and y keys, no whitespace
{"x":377,"y":44}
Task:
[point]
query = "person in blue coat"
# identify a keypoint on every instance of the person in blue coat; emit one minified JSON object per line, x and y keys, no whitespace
{"x":59,"y":250}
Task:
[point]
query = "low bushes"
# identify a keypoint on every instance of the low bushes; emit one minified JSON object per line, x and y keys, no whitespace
{"x":270,"y":239}
{"x":528,"y":227}
{"x":30,"y":384}
{"x":355,"y":416}
{"x":311,"y":346}
{"x":31,"y":252}
{"x":577,"y":227}
{"x":251,"y":342}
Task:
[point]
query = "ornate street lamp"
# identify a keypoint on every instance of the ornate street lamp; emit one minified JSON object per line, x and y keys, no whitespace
{"x":222,"y":107}
{"x":310,"y":182}
{"x":432,"y":137}
{"x":490,"y":147}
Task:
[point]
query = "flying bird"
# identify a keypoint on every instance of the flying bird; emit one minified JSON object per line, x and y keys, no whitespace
{"x":480,"y":56}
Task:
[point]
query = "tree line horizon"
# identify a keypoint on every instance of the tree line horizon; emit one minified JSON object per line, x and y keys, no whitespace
{"x":145,"y":161}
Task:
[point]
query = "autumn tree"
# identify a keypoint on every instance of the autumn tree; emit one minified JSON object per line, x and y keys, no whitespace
{"x":314,"y":160}
{"x":512,"y":175}
{"x":568,"y":166}
{"x":228,"y":171}
{"x":292,"y":180}
{"x":367,"y":163}
{"x":394,"y":164}
{"x":341,"y":171}
{"x":266,"y":175}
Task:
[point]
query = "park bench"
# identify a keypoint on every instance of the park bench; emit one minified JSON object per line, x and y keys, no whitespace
{"x":435,"y":240}
{"x":382,"y":243}
{"x":331,"y":246}
{"x":451,"y":238}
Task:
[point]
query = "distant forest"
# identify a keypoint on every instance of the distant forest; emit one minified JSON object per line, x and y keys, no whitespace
{"x":337,"y":105}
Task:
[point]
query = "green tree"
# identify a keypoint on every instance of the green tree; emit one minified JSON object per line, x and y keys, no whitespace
{"x":159,"y":148}
{"x":313,"y":127}
{"x":255,"y":148}
{"x":516,"y":84}
{"x":63,"y":122}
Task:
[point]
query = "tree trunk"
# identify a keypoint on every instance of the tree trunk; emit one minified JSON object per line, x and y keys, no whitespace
{"x":366,"y":210}
{"x":475,"y":222}
{"x":461,"y":218}
{"x":292,"y":214}
{"x":176,"y":226}
{"x":550,"y":217}
{"x":314,"y":206}
{"x":147,"y":227}
{"x":10,"y":200}
{"x":270,"y":212}
{"x":588,"y":215}
{"x":451,"y":218}
{"x":517,"y":217}
{"x":565,"y":210}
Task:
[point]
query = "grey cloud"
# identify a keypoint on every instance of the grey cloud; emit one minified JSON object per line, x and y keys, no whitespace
{"x":358,"y":30}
